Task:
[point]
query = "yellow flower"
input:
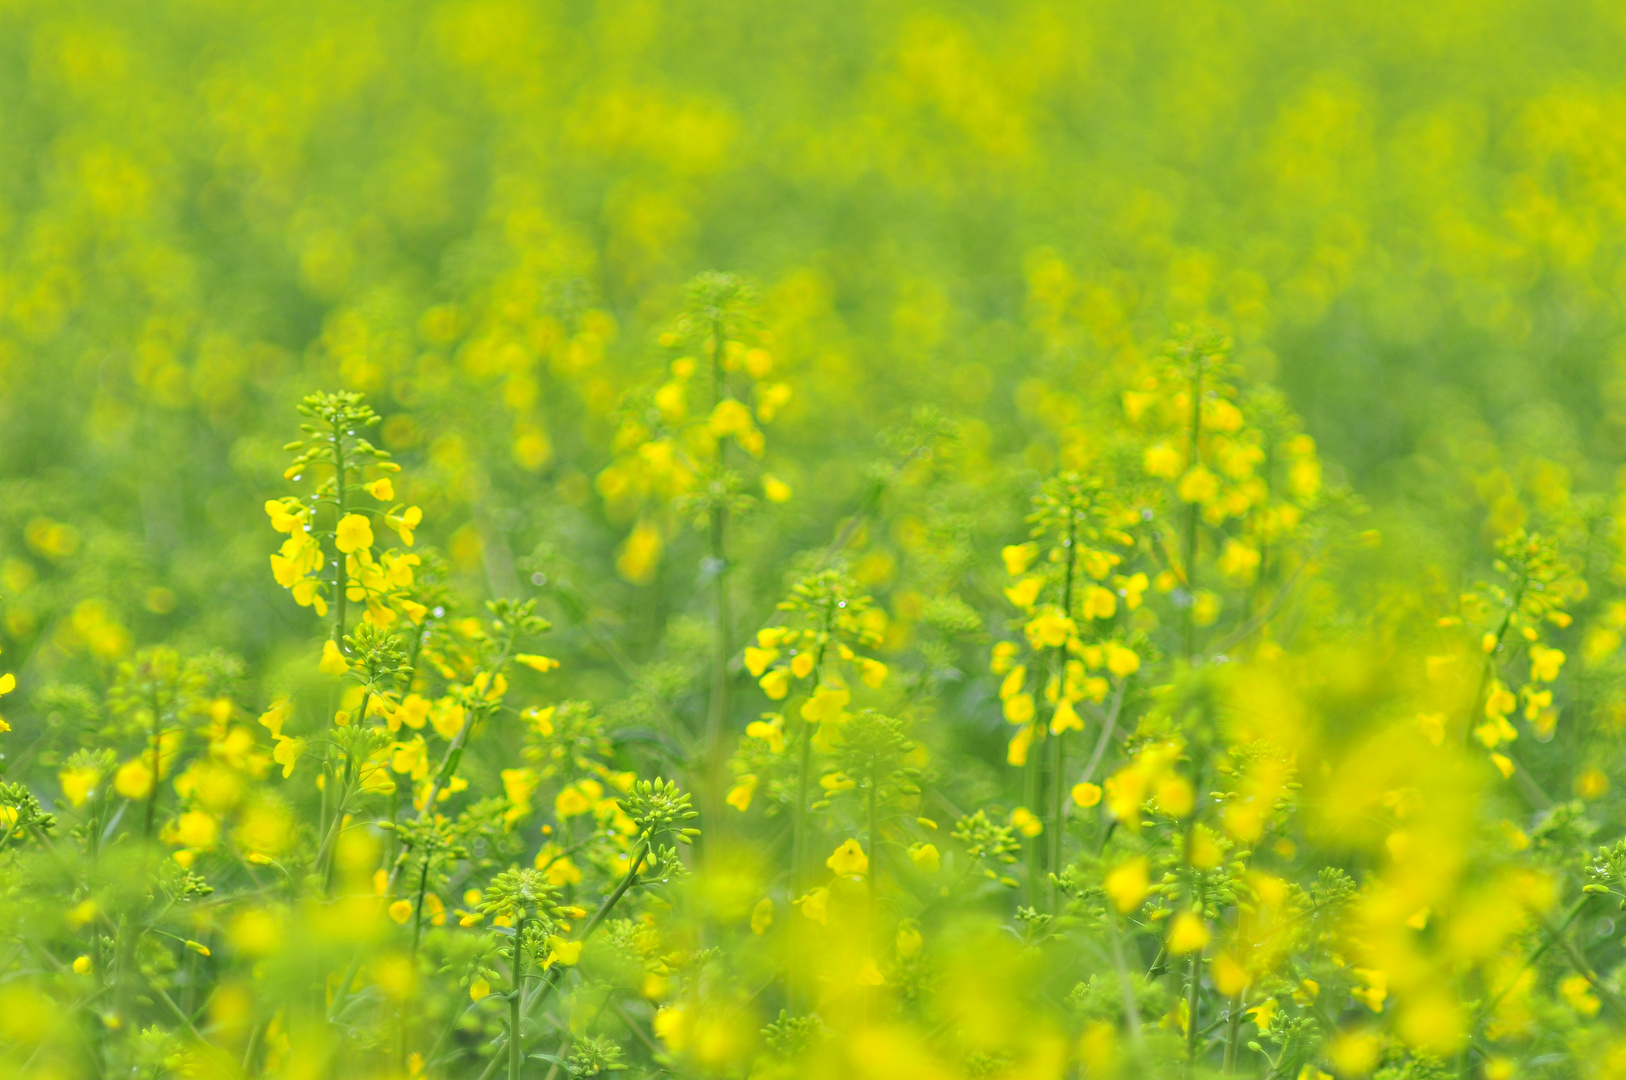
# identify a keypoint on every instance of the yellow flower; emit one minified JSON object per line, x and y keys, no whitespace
{"x":1018,"y":557}
{"x":1049,"y":629}
{"x":837,"y":781}
{"x":333,"y":661}
{"x":286,"y":753}
{"x":1127,"y":885}
{"x":739,"y":797}
{"x":827,"y":703}
{"x":815,"y":905}
{"x":1065,"y":719}
{"x":77,"y":784}
{"x":308,"y":593}
{"x":849,"y":860}
{"x":1131,"y":589}
{"x":1099,"y":603}
{"x":478,"y":989}
{"x":1098,"y":564}
{"x":770,"y":729}
{"x":757,"y":660}
{"x":563,"y":953}
{"x":775,"y":490}
{"x":1016,"y":753}
{"x":776,"y":684}
{"x":1376,"y":989}
{"x":403,"y":523}
{"x":762,"y":916}
{"x":1545,"y":662}
{"x":873,"y":672}
{"x":382,"y":490}
{"x":1087,"y":794}
{"x":1025,"y":592}
{"x":8,"y":683}
{"x":1198,"y":486}
{"x":730,"y":417}
{"x":1163,"y":461}
{"x":1121,"y":662}
{"x":134,"y":779}
{"x":1577,"y":992}
{"x":1026,"y":822}
{"x":285,"y":517}
{"x":1188,"y":933}
{"x":1019,"y":709}
{"x":1592,"y":783}
{"x":537,"y":663}
{"x":354,"y":533}
{"x":925,"y":858}
{"x":401,"y":911}
{"x":196,"y":829}
{"x":1230,"y":977}
{"x":81,"y":965}
{"x":277,"y":715}
{"x":771,"y":397}
{"x":1175,"y":796}
{"x":1238,"y":562}
{"x":671,"y":1026}
{"x":1004,"y":655}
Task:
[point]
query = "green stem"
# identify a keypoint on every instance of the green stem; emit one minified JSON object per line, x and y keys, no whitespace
{"x":1233,"y":1033}
{"x":417,"y":922}
{"x":515,"y":1043}
{"x":718,"y":713}
{"x":1058,"y":786}
{"x":1030,"y":798}
{"x":1584,"y":969}
{"x":157,"y":746}
{"x":804,"y":776}
{"x":874,"y":849}
{"x":448,"y":761}
{"x":1192,"y":987}
{"x":340,"y":572}
{"x":717,"y":717}
{"x":1547,"y":941}
{"x":1192,"y":461}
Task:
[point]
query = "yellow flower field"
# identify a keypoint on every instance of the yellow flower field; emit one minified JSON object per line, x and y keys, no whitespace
{"x":1008,"y":541}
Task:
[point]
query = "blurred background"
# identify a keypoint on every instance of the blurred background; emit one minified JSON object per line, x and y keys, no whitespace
{"x":481,"y":214}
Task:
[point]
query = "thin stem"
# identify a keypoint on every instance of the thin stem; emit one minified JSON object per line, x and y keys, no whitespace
{"x":718,"y":713}
{"x":1192,"y":461}
{"x":1058,"y":781}
{"x":417,"y":922}
{"x":1030,"y":797}
{"x":1233,"y":1033}
{"x":515,"y":1043}
{"x":1582,"y":967}
{"x":1192,"y":988}
{"x":157,"y":745}
{"x":804,"y":775}
{"x":340,"y":570}
{"x":1547,"y":941}
{"x":448,"y":762}
{"x":874,"y":849}
{"x":550,"y":981}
